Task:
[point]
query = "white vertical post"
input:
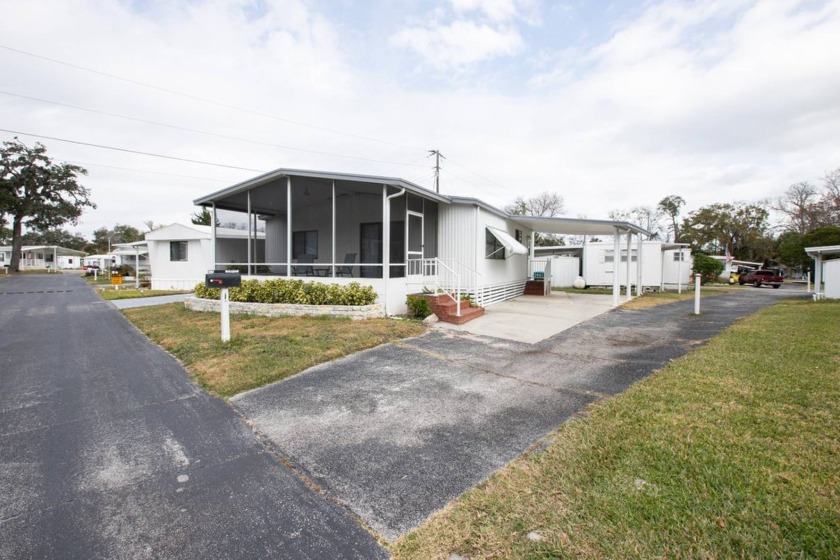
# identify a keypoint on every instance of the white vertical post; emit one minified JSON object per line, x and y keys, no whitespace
{"x":386,"y":243}
{"x":679,"y":272}
{"x":616,"y":267}
{"x":628,"y":291}
{"x":213,"y":237}
{"x":662,"y":274}
{"x":136,"y":267}
{"x":225,"y":301}
{"x":289,"y":227}
{"x":248,"y":195}
{"x":697,"y":294}
{"x":808,"y":282}
{"x":818,"y":277}
{"x":333,"y":229}
{"x":639,"y":265}
{"x":55,"y":260}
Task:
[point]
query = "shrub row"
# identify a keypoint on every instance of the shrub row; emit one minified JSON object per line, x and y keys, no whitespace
{"x":294,"y":291}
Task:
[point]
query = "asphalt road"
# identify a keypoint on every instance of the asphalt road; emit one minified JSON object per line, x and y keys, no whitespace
{"x":398,"y":431}
{"x":108,"y":450}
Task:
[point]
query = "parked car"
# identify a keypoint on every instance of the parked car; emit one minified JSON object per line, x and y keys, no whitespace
{"x":759,"y":278}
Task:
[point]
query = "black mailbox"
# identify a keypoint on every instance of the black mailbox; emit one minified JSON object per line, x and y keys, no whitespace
{"x":223,"y":280}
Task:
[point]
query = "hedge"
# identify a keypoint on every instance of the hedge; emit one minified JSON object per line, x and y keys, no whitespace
{"x":294,"y":291}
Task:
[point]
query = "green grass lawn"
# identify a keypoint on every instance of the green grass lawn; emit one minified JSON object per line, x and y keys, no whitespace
{"x":732,"y":451}
{"x":262,"y":349}
{"x":131,"y":293}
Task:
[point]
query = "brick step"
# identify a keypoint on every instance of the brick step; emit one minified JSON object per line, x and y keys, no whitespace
{"x":534,"y":288}
{"x":467,"y":314}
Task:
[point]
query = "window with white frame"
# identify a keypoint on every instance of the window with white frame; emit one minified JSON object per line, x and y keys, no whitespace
{"x":493,"y":247}
{"x":177,"y":251}
{"x":679,"y":256}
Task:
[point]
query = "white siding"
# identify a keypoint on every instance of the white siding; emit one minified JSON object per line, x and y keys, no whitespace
{"x":598,"y":270}
{"x":457,"y":224}
{"x":564,"y":271}
{"x":831,"y":277}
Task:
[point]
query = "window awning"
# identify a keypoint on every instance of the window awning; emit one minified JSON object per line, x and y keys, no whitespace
{"x":508,"y":241}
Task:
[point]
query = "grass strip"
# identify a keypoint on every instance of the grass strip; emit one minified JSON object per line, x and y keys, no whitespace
{"x":262,"y":349}
{"x":731,"y":451}
{"x":131,"y":293}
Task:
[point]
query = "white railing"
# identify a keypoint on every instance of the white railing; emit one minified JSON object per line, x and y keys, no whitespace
{"x":437,"y":276}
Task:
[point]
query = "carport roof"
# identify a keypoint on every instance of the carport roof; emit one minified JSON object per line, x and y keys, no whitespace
{"x":824,"y":250}
{"x":577,"y":226}
{"x":329,"y":175}
{"x":60,"y":251}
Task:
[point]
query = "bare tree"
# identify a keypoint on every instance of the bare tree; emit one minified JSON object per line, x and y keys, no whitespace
{"x":645,"y":216}
{"x":546,"y":204}
{"x":830,"y":200}
{"x":670,"y":206}
{"x":800,"y":206}
{"x":549,"y":204}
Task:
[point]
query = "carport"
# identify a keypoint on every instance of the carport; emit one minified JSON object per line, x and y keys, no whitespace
{"x":583,"y":226}
{"x":817,"y":253}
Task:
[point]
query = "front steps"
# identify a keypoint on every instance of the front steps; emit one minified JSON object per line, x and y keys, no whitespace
{"x":535,"y":288}
{"x":445,"y":308}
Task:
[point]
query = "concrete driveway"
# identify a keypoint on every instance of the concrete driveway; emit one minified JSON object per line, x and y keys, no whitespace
{"x":107,"y":449}
{"x":397,"y":432}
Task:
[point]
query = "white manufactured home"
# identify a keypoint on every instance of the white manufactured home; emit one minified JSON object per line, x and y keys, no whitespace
{"x":43,"y":257}
{"x":179,"y":255}
{"x":385,"y":232}
{"x":664,"y":265}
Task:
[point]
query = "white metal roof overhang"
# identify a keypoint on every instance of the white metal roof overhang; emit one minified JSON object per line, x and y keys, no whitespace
{"x":60,"y":251}
{"x":223,"y":197}
{"x":134,"y":248}
{"x":824,"y":250}
{"x":508,"y":241}
{"x":578,"y":226}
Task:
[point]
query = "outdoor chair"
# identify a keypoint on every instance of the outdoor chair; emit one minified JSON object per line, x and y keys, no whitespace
{"x":346,"y":270}
{"x":304,"y":270}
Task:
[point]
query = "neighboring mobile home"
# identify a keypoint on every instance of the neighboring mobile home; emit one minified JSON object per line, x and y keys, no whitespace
{"x":664,"y":265}
{"x":43,"y":257}
{"x":180,"y":255}
{"x":385,"y":232}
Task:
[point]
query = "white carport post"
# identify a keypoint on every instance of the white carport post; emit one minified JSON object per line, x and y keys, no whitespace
{"x":817,"y":276}
{"x":629,"y":290}
{"x":639,"y":265}
{"x":213,"y":237}
{"x":679,"y":272}
{"x":289,"y":226}
{"x":55,"y":260}
{"x":616,"y":267}
{"x":333,"y":229}
{"x":136,"y":267}
{"x":248,"y":195}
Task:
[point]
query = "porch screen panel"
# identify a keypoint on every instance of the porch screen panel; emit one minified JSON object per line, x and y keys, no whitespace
{"x":430,"y":225}
{"x":311,"y":227}
{"x":397,"y":251}
{"x":358,"y":224}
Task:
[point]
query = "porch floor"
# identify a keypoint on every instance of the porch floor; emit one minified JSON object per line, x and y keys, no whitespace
{"x":531,"y":319}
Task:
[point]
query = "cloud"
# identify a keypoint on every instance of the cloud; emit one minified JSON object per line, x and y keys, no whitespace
{"x":459,"y":43}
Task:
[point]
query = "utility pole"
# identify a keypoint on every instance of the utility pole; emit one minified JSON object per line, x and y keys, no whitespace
{"x":437,"y":155}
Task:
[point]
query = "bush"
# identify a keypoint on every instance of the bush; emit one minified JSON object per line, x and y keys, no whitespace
{"x":418,"y":306}
{"x":294,"y":291}
{"x":708,"y":268}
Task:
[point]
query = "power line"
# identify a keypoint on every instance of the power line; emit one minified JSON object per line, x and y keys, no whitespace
{"x":197,"y":131}
{"x":117,"y":149}
{"x":87,"y":164}
{"x":205,"y":100}
{"x":507,"y":188}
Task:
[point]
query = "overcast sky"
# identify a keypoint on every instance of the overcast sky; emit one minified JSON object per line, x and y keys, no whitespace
{"x":611,"y":104}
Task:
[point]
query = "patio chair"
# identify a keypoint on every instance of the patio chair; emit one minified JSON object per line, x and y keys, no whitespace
{"x":346,"y":270}
{"x":304,"y":270}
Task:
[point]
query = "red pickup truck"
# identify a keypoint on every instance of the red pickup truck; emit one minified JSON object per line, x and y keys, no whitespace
{"x":759,"y":278}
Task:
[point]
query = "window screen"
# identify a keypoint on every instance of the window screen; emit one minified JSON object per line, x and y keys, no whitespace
{"x":177,"y":250}
{"x":305,"y":243}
